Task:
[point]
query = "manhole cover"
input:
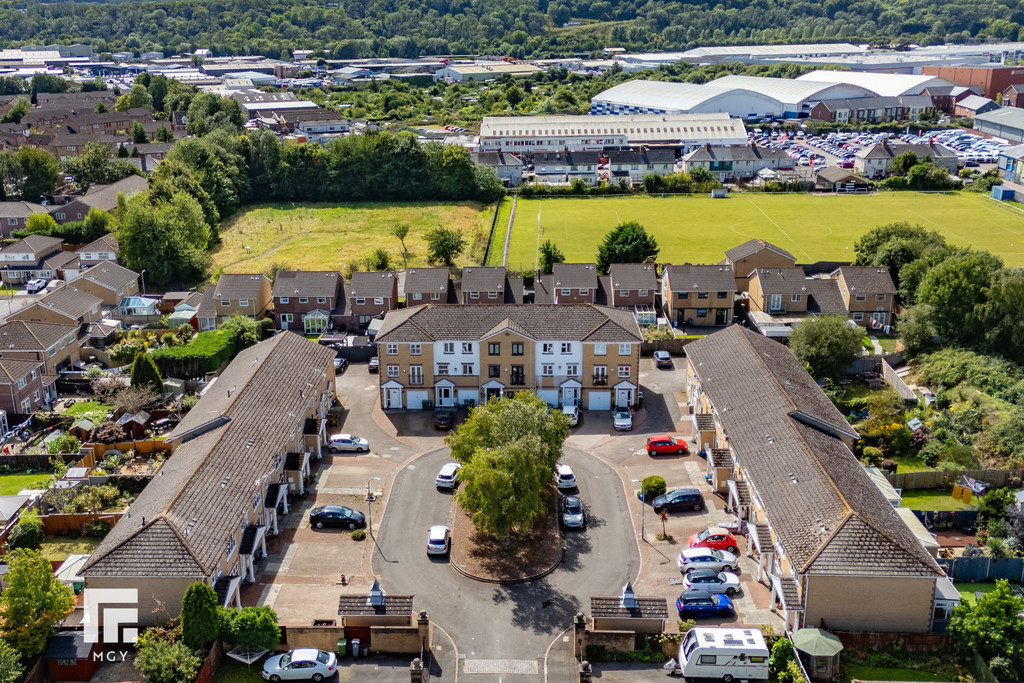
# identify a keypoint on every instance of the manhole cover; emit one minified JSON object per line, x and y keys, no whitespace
{"x":501,"y":666}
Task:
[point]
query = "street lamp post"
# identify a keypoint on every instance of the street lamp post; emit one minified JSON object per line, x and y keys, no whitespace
{"x":643,"y":508}
{"x":143,"y":276}
{"x":369,"y":505}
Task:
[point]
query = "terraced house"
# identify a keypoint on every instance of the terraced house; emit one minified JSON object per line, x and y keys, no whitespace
{"x":829,"y":544}
{"x":569,"y":354}
{"x":237,"y":455}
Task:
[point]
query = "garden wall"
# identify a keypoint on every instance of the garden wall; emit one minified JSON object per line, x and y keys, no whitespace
{"x":913,"y":642}
{"x":396,"y":639}
{"x":620,"y":641}
{"x":210,"y":664}
{"x":938,"y":479}
{"x":94,"y":452}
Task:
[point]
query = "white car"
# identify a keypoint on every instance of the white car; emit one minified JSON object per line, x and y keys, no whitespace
{"x":33,"y":286}
{"x":347,"y":442}
{"x":438,"y":540}
{"x":305,"y":664}
{"x":712,"y":581}
{"x":573,"y":413}
{"x":706,"y":558}
{"x":564,"y":477}
{"x":622,"y":420}
{"x":448,"y":477}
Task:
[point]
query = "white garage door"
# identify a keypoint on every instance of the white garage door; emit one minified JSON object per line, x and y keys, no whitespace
{"x":599,"y":400}
{"x":414,"y":399}
{"x":549,"y":395}
{"x":467,"y":395}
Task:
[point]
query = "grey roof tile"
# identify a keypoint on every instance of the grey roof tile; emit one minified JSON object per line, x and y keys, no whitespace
{"x":311,"y":283}
{"x":632,"y":276}
{"x":753,"y":246}
{"x":370,"y":285}
{"x":689,"y":277}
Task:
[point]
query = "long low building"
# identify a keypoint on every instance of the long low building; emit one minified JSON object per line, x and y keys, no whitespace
{"x":526,"y":134}
{"x":1006,"y":123}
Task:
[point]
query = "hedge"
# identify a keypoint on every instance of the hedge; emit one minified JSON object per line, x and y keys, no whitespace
{"x":207,"y":352}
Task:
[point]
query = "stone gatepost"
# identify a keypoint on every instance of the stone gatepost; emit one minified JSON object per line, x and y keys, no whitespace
{"x":416,"y":671}
{"x":423,"y":624}
{"x":585,"y":673}
{"x":579,"y":628}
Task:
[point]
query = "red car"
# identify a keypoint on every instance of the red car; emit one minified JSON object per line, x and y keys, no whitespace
{"x":663,"y":443}
{"x":714,"y":537}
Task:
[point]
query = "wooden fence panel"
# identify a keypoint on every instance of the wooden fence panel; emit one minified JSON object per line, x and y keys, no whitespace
{"x":674,"y":346}
{"x":936,"y":479}
{"x":61,"y":525}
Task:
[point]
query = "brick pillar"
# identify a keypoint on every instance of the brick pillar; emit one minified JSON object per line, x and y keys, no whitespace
{"x":585,"y":673}
{"x":416,"y":671}
{"x":423,"y":624}
{"x":579,"y":629}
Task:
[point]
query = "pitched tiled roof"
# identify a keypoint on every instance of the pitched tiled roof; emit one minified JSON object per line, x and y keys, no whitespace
{"x":13,"y":370}
{"x":34,"y":244}
{"x":59,"y":260}
{"x":782,"y":280}
{"x":828,"y":515}
{"x":379,"y":284}
{"x":689,"y":277}
{"x":27,"y":336}
{"x":105,"y":197}
{"x":312,"y":283}
{"x":826,"y":298}
{"x":70,"y":301}
{"x":106,"y":243}
{"x":868,"y":280}
{"x":483,"y":279}
{"x":575,"y":275}
{"x":577,"y":322}
{"x":735,"y":153}
{"x":835,"y":174}
{"x":180,"y":524}
{"x":427,"y":280}
{"x":238,"y":286}
{"x":893,"y":150}
{"x":20,"y":209}
{"x":111,"y":275}
{"x":752,"y":247}
{"x":632,"y":276}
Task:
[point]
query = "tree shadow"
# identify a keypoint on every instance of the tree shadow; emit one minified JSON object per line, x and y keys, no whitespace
{"x":537,"y":606}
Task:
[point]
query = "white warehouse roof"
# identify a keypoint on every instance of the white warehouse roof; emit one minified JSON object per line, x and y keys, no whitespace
{"x":792,"y":92}
{"x":883,"y":85}
{"x":809,"y":50}
{"x":640,"y":128}
{"x":670,"y":97}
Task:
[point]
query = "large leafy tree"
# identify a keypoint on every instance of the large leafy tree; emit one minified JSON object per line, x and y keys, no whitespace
{"x":39,"y":170}
{"x":992,"y":628}
{"x":626,"y":243}
{"x":444,"y":245}
{"x":200,"y":620}
{"x":32,"y":603}
{"x":508,"y":449}
{"x":94,"y":167}
{"x":549,"y":256}
{"x":828,"y":344}
{"x":955,"y":288}
{"x":165,"y":236}
{"x":208,"y":112}
{"x":1002,"y":315}
{"x":894,"y":245}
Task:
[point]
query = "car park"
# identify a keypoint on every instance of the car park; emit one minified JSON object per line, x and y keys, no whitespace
{"x":706,"y":558}
{"x":678,"y":499}
{"x":442,"y":418}
{"x":564,"y":477}
{"x":659,"y":444}
{"x":448,"y":477}
{"x":34,"y":286}
{"x":347,"y":442}
{"x":573,"y":514}
{"x":303,"y":664}
{"x":439,"y":539}
{"x":336,"y":515}
{"x":573,"y":413}
{"x":714,"y":537}
{"x":662,"y":359}
{"x":622,"y":420}
{"x":374,"y":364}
{"x":712,"y":581}
{"x":700,"y":603}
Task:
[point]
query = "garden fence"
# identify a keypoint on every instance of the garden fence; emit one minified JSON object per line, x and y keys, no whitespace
{"x":937,"y":479}
{"x":674,"y":346}
{"x":982,"y":569}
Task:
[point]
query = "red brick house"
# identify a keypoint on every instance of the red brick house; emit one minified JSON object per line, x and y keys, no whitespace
{"x":304,"y":300}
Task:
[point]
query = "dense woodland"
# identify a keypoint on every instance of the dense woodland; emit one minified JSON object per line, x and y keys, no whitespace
{"x":523,"y":28}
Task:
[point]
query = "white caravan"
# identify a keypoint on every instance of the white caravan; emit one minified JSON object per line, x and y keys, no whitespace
{"x":727,"y":654}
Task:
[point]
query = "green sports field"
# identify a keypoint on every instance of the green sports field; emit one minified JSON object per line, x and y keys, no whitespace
{"x":811,"y":227}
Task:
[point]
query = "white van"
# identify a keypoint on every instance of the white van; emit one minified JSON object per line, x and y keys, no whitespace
{"x":727,"y":654}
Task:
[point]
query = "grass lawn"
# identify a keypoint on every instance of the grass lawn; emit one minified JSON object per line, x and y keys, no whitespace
{"x":908,"y":464}
{"x":94,"y":410}
{"x":324,"y":236}
{"x":884,"y":673}
{"x":931,"y":499}
{"x":500,"y":231}
{"x":812,"y":227}
{"x":57,"y":548}
{"x":10,"y":484}
{"x":888,"y":344}
{"x":967,"y":590}
{"x":232,"y":671}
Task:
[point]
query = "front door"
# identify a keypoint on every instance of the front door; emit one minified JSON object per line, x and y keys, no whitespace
{"x":444,"y":396}
{"x":623,"y":397}
{"x":570,"y":396}
{"x":492,"y":393}
{"x":393,"y":399}
{"x":720,"y":314}
{"x":775,"y":303}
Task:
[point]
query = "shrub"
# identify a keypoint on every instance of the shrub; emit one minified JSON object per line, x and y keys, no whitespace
{"x":29,"y":531}
{"x":205,"y":353}
{"x":652,"y":487}
{"x":165,"y":661}
{"x":890,"y":465}
{"x":872,"y":456}
{"x":359,"y":534}
{"x":145,"y":373}
{"x":108,"y":432}
{"x":63,"y":444}
{"x":96,"y":529}
{"x":252,"y":626}
{"x":200,"y":620}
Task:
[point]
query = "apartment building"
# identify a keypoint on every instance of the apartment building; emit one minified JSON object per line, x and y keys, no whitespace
{"x":237,"y":455}
{"x":827,"y":540}
{"x":568,"y":354}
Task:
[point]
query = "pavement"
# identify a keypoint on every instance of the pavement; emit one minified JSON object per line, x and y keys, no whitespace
{"x":484,"y":632}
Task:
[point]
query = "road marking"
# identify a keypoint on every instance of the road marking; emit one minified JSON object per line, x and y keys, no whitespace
{"x":501,"y":666}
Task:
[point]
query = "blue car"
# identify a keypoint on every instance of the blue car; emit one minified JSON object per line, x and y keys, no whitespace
{"x":702,"y":603}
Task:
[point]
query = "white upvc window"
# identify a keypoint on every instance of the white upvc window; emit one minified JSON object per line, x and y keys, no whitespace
{"x":321,"y":299}
{"x":360,"y":300}
{"x":391,"y":349}
{"x":416,"y":349}
{"x":393,"y":371}
{"x":467,"y":347}
{"x":303,"y":299}
{"x":600,"y":349}
{"x":796,"y":298}
{"x":623,"y":371}
{"x":566,"y":348}
{"x":566,"y":291}
{"x":625,"y":349}
{"x":547,"y":347}
{"x":244,"y":302}
{"x":547,"y":369}
{"x":417,"y":296}
{"x":449,"y":347}
{"x":442,"y":368}
{"x":858,"y":316}
{"x":585,"y":291}
{"x":572,"y":370}
{"x":467,"y":369}
{"x":283,"y":299}
{"x":378,"y":300}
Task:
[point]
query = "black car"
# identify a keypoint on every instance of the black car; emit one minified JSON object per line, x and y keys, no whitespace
{"x":336,"y":515}
{"x":442,"y":418}
{"x":679,"y":499}
{"x":340,"y":365}
{"x":374,"y":364}
{"x":573,"y":514}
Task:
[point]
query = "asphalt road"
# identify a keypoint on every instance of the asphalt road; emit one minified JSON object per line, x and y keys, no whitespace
{"x":515,"y":622}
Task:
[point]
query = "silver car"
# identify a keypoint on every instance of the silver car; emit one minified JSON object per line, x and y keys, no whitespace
{"x":347,"y":442}
{"x":706,"y":558}
{"x":304,"y":664}
{"x":438,"y":540}
{"x":622,"y":420}
{"x":573,"y":514}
